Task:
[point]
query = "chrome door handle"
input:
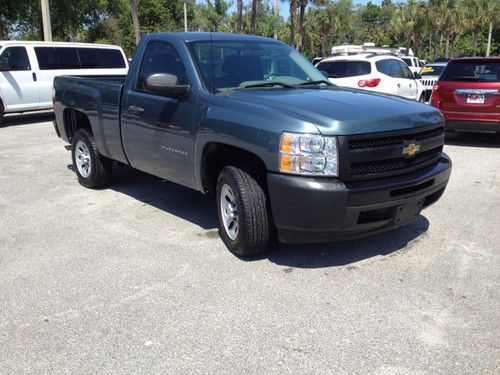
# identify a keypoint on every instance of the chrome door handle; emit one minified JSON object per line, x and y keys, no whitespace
{"x":135,"y":110}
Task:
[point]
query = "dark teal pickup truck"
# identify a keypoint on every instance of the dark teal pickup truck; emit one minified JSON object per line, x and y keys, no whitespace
{"x":249,"y":119}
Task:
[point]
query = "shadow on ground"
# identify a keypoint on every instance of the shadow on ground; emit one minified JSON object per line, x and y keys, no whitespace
{"x":27,"y":118}
{"x":198,"y":209}
{"x":473,"y":139}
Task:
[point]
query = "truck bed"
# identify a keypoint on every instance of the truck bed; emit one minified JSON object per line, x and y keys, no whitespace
{"x":99,"y":97}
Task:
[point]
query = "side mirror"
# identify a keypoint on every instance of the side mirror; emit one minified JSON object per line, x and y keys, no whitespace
{"x":417,"y":76}
{"x":324,"y":73}
{"x":4,"y":64}
{"x":165,"y":84}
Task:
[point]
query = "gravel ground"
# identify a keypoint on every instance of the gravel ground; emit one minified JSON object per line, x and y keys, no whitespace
{"x":134,"y":278}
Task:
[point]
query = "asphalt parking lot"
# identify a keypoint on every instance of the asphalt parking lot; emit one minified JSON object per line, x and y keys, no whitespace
{"x":134,"y":278}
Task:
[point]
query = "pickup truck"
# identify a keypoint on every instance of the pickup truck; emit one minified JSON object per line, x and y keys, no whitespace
{"x":287,"y":155}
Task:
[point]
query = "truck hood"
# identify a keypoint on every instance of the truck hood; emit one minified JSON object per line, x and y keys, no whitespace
{"x":340,"y":111}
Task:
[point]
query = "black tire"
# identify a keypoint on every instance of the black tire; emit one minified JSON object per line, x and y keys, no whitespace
{"x":254,"y":225}
{"x":100,"y":166}
{"x":422,"y":98}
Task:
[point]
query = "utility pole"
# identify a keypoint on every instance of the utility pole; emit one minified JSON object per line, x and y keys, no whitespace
{"x":275,"y":19}
{"x":489,"y":40}
{"x":190,"y":2}
{"x":47,"y":31}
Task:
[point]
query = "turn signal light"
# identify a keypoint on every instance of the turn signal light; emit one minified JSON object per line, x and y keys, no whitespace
{"x":369,"y":82}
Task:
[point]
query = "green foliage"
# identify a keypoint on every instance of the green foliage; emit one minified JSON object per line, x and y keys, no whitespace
{"x":431,"y":28}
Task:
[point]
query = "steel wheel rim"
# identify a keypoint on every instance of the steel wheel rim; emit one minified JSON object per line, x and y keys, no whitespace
{"x":229,"y":211}
{"x":82,"y":159}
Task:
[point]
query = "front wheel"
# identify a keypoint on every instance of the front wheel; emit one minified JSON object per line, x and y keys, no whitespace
{"x":243,"y":215}
{"x":93,"y":169}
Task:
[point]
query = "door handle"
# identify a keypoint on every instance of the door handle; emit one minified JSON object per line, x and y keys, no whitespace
{"x":135,"y":110}
{"x":34,"y":76}
{"x":399,"y":85}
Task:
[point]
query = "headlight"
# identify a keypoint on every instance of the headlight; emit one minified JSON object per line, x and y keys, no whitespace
{"x":308,"y":154}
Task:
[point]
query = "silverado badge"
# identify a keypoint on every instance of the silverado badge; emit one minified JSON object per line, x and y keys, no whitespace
{"x":410,"y":149}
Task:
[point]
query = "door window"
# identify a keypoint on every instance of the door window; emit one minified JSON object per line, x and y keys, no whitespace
{"x":160,"y":57}
{"x":389,"y":67}
{"x":405,"y":71}
{"x":18,"y":58}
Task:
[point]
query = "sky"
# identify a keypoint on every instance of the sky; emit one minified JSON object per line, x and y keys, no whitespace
{"x":284,"y":5}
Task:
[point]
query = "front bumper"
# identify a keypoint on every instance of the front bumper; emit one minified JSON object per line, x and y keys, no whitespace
{"x":311,"y":209}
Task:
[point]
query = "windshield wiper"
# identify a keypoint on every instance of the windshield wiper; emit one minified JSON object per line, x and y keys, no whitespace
{"x":314,"y":83}
{"x":270,"y":84}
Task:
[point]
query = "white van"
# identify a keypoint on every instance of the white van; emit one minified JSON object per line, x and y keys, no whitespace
{"x":27,"y":70}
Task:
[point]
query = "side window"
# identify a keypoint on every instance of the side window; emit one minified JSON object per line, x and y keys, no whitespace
{"x":405,"y":71}
{"x":18,"y":58}
{"x":389,"y":67}
{"x":67,"y":58}
{"x":160,"y":57}
{"x":47,"y":58}
{"x":100,"y":58}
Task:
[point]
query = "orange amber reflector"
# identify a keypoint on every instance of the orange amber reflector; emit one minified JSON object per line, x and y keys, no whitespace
{"x":286,"y":143}
{"x":285,"y":163}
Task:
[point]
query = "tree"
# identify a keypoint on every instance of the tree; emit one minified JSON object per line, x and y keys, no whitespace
{"x":293,"y":13}
{"x":254,"y":15}
{"x":239,"y":5}
{"x":135,"y":21}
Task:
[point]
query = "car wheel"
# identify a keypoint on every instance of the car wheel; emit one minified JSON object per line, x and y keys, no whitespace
{"x":422,"y":98}
{"x":244,"y":220}
{"x":93,"y":169}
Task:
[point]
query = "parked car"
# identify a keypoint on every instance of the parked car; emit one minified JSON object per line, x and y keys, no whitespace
{"x":386,"y":74}
{"x":413,"y":63}
{"x":468,"y":94}
{"x":251,"y":120}
{"x":27,"y":70}
{"x":430,"y":74}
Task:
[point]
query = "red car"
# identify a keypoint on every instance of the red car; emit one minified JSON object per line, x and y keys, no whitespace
{"x":468,"y":94}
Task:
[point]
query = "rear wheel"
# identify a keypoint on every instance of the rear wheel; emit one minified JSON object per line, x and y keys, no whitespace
{"x":93,"y":169}
{"x":243,"y":214}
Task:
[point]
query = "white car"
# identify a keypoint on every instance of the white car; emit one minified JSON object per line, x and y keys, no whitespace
{"x":386,"y":74}
{"x":430,"y":74}
{"x":27,"y":70}
{"x":413,"y":63}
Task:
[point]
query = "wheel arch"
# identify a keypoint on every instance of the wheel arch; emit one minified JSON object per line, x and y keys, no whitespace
{"x":217,"y":155}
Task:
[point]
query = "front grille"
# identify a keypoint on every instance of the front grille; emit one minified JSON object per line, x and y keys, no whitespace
{"x":395,"y":164}
{"x":381,"y":155}
{"x":397,"y":139}
{"x":428,"y":82}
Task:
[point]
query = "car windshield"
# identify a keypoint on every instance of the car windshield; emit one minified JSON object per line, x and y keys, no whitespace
{"x":467,"y":71}
{"x":239,"y":64}
{"x":432,"y":70}
{"x":342,"y":69}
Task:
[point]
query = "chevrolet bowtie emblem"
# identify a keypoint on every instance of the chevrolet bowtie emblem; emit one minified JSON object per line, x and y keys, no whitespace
{"x":410,"y":149}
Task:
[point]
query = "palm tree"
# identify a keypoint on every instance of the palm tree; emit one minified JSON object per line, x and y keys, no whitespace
{"x":302,"y":8}
{"x":239,"y":6}
{"x":254,"y":14}
{"x":293,"y":13}
{"x":135,"y":21}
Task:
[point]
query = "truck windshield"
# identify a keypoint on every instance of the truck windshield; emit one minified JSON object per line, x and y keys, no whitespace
{"x":231,"y":64}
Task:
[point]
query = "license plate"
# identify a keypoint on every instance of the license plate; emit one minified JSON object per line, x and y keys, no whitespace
{"x":475,"y":99}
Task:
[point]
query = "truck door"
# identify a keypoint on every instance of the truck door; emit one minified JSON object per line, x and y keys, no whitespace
{"x":17,"y":81}
{"x":158,"y":132}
